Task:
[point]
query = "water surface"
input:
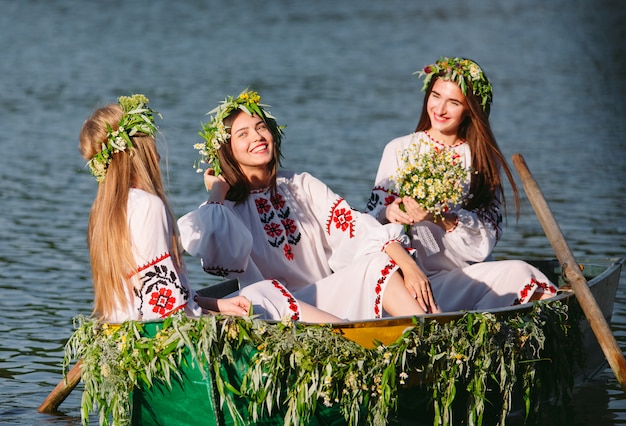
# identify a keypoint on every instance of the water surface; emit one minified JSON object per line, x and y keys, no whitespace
{"x":339,"y":74}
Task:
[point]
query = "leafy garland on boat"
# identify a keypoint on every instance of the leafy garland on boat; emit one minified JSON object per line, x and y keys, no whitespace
{"x":297,"y":368}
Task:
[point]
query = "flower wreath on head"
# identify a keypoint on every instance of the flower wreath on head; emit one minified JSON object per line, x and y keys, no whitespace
{"x":215,"y":133}
{"x":461,"y":71}
{"x":137,"y":117}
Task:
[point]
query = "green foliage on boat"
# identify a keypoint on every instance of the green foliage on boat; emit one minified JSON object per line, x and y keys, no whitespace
{"x":293,"y":373}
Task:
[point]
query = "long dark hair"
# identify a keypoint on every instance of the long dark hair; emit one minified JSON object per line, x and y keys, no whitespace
{"x":240,"y":186}
{"x":487,"y":158}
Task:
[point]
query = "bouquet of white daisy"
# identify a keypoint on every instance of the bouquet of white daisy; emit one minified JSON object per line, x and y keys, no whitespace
{"x":435,"y":179}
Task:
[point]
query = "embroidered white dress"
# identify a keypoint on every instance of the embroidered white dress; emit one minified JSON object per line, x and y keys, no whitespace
{"x":305,"y":237}
{"x":160,"y":287}
{"x":458,"y":263}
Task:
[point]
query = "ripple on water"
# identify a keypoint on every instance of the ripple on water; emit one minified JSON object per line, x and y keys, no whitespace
{"x":338,"y":74}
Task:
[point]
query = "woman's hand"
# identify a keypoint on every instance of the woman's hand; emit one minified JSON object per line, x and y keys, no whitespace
{"x":210,"y":179}
{"x":448,"y":221}
{"x":217,"y":185}
{"x":237,"y":305}
{"x":394,"y":213}
{"x":415,"y":211}
{"x":415,"y":280}
{"x":418,"y":285}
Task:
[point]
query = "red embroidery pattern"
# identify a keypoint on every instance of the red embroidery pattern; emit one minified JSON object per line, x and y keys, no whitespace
{"x":341,"y":217}
{"x":288,"y":253}
{"x":262,"y":205}
{"x":443,"y":146}
{"x":162,"y":301}
{"x":161,"y":289}
{"x":531,"y":287}
{"x":277,"y":201}
{"x":273,"y":230}
{"x":395,"y":240}
{"x":293,"y":306}
{"x":280,"y":228}
{"x":384,"y":274}
{"x":148,"y":265}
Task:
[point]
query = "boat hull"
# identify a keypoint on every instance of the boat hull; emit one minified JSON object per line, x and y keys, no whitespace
{"x":193,"y":399}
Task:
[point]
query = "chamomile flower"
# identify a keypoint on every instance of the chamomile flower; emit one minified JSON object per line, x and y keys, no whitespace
{"x":435,"y":179}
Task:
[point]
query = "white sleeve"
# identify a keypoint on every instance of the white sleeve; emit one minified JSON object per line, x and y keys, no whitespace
{"x":476,"y":234}
{"x":149,"y":227}
{"x":349,"y":233}
{"x":383,"y":192}
{"x":215,"y":235}
{"x":162,"y":287}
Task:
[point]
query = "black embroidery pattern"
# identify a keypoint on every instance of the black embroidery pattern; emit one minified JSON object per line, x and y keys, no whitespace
{"x":373,"y":201}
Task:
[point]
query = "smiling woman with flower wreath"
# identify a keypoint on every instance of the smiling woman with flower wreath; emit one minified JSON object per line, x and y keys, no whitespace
{"x":454,"y":219}
{"x":137,"y":265}
{"x":261,"y":223}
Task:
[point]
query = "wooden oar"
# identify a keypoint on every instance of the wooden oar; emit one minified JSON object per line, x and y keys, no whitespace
{"x":62,"y":390}
{"x":587,"y":302}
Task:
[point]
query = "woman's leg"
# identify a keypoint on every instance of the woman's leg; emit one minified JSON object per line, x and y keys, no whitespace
{"x":397,"y":301}
{"x":310,"y":313}
{"x":272,"y":300}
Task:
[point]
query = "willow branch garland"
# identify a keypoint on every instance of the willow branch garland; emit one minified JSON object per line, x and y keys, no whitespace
{"x":298,"y":371}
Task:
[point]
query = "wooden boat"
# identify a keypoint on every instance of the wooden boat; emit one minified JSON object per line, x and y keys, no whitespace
{"x":198,"y":398}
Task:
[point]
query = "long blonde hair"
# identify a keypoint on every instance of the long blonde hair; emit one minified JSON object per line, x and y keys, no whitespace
{"x":108,"y":235}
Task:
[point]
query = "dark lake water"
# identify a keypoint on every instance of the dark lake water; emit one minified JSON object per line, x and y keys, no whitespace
{"x":339,"y":74}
